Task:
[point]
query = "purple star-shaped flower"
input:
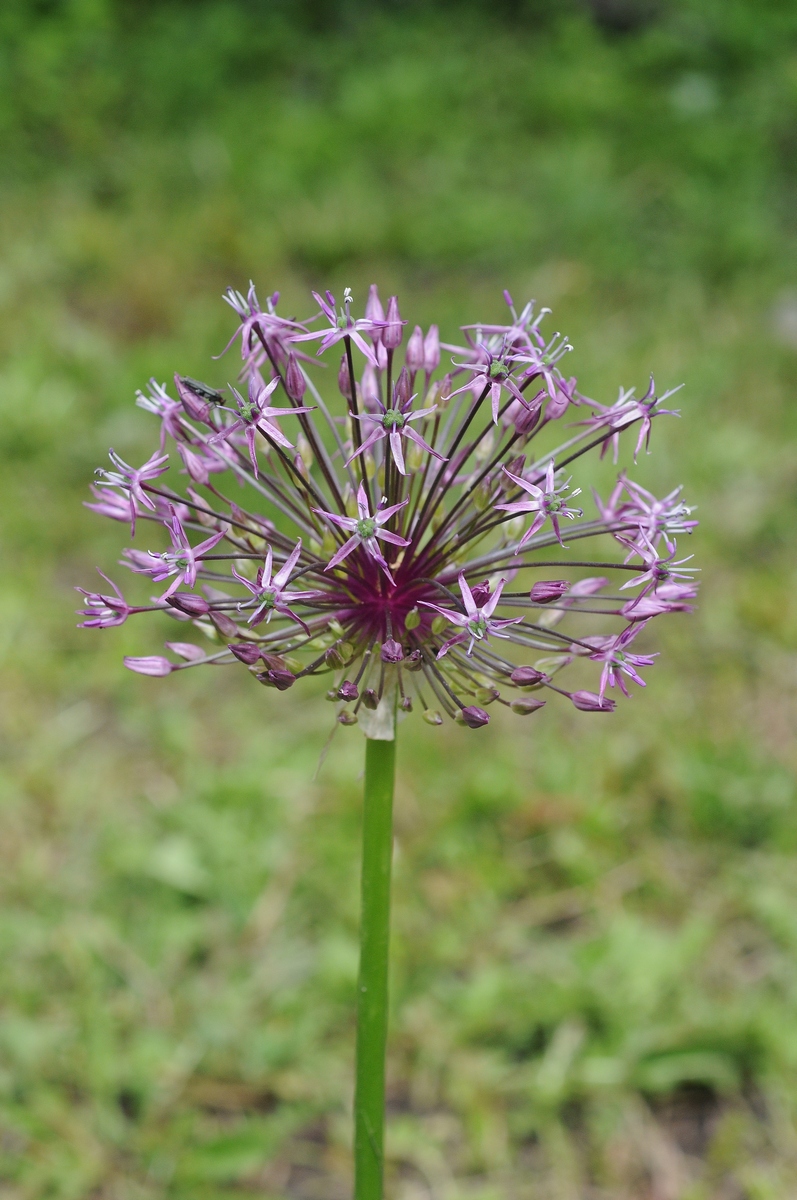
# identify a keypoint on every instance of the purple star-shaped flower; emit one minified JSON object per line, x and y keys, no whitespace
{"x":131,"y":480}
{"x":161,"y":404}
{"x":657,"y":570}
{"x":181,"y":561}
{"x":617,"y":662}
{"x":625,"y":411}
{"x":253,"y":415}
{"x":393,"y":424}
{"x":365,"y":530}
{"x":343,"y":324}
{"x":270,"y":594}
{"x":495,"y":372}
{"x":477,"y":621}
{"x":546,"y":502}
{"x":254,"y":319}
{"x":103,"y":612}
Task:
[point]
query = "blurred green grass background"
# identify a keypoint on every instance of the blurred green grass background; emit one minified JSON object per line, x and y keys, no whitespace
{"x":594,"y":983}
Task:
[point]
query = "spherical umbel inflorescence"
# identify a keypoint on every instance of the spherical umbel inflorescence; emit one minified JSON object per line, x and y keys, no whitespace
{"x":424,"y":544}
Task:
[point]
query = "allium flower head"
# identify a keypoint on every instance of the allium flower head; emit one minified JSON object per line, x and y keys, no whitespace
{"x":418,"y":546}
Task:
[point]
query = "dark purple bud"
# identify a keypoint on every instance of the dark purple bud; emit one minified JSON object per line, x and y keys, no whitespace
{"x":547,"y":590}
{"x":402,"y":390}
{"x":406,"y":704}
{"x":348,"y":691}
{"x":431,"y":350}
{"x":344,"y":382}
{"x":414,"y":661}
{"x":394,"y":329}
{"x":295,"y":382}
{"x":195,"y":405}
{"x":370,"y":699}
{"x":273,"y":661}
{"x":391,"y":651}
{"x":415,"y":358}
{"x":525,"y":706}
{"x":527,"y":676}
{"x":281,"y":680}
{"x":517,"y":464}
{"x":591,"y":702}
{"x":474,"y":717}
{"x":481,"y":593}
{"x":187,"y":602}
{"x":225,"y":625}
{"x":247,"y":652}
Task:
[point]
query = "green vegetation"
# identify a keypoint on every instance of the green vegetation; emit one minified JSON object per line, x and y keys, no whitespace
{"x":595,"y":921}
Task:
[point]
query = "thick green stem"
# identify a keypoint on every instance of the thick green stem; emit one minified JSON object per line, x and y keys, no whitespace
{"x":369,"y":1096}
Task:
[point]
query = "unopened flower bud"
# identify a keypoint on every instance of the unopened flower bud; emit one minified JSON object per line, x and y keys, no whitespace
{"x":547,"y":590}
{"x":525,"y":414}
{"x":196,"y":405}
{"x":413,"y":661}
{"x":274,"y":662}
{"x":444,"y":393}
{"x":295,"y":382}
{"x":406,"y":704}
{"x":374,"y":311}
{"x":558,"y":405}
{"x":413,"y":618}
{"x":331,"y":695}
{"x":347,"y":718}
{"x":481,"y":495}
{"x":369,"y":389}
{"x":439,"y":624}
{"x":431,"y":350}
{"x":333,"y":658}
{"x":187,"y":602}
{"x":481,"y":593}
{"x":473,"y":717}
{"x":527,"y":677}
{"x":393,"y":330}
{"x":153,"y":664}
{"x":348,"y":691}
{"x":225,"y":625}
{"x":247,"y":652}
{"x":370,"y":699}
{"x":402,"y":390}
{"x":414,"y":457}
{"x":281,"y":680}
{"x":525,"y":706}
{"x":391,"y":651}
{"x":486,"y":695}
{"x":194,"y":464}
{"x":344,"y":380}
{"x":591,"y":702}
{"x":305,"y":451}
{"x":432,"y":717}
{"x":415,"y":358}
